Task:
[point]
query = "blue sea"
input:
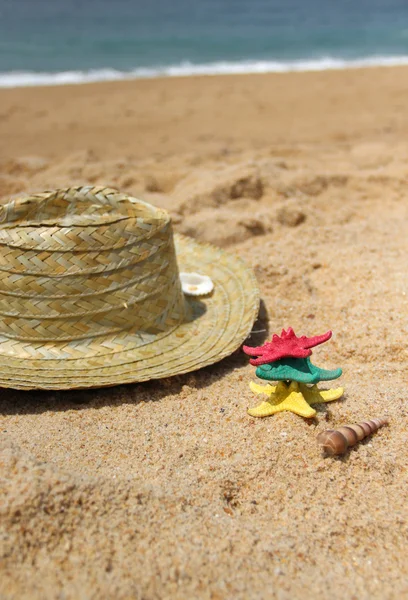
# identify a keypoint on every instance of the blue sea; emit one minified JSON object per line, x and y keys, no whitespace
{"x":74,"y":41}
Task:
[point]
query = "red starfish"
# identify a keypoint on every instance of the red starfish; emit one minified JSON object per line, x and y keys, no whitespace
{"x":288,"y":344}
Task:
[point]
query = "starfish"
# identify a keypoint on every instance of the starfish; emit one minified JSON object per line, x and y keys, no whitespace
{"x":296,"y":369}
{"x":294,"y":397}
{"x":288,"y":344}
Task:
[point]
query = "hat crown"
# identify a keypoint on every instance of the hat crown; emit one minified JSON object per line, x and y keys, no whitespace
{"x":86,"y":262}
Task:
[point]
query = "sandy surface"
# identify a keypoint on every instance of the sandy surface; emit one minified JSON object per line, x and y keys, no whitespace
{"x":168,"y":489}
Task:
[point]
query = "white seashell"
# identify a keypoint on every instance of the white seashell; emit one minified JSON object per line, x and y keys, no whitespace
{"x":194,"y":284}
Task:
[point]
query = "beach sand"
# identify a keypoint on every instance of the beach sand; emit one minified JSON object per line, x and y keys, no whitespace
{"x":169,"y":489}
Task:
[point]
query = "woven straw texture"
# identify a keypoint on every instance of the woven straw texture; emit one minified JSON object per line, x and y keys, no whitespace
{"x":90,"y":294}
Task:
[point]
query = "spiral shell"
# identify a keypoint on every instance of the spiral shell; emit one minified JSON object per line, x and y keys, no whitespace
{"x":337,"y":441}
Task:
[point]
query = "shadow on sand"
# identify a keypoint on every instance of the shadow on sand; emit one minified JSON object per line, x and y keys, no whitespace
{"x":13,"y":402}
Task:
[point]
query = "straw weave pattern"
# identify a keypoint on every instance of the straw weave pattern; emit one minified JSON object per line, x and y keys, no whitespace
{"x":114,"y":269}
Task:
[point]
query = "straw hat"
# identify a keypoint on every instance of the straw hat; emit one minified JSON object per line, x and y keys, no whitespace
{"x":90,"y":293}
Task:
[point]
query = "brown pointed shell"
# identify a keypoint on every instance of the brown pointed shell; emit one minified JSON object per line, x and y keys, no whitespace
{"x":337,"y":441}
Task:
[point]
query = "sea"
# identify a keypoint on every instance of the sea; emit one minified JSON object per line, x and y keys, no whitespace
{"x":51,"y":42}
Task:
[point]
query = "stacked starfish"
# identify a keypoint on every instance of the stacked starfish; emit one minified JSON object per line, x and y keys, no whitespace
{"x":286,"y":359}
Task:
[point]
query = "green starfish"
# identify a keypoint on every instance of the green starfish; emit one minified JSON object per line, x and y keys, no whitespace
{"x":295,"y":369}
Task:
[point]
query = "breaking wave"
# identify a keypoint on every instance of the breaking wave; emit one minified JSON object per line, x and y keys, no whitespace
{"x":185,"y":69}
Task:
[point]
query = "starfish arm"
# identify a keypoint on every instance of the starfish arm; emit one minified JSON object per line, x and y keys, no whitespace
{"x":333,"y":394}
{"x":296,"y":403}
{"x":265,"y":409}
{"x":326,"y":375}
{"x":262,"y":389}
{"x":315,"y":396}
{"x":316,"y":340}
{"x":271,"y":357}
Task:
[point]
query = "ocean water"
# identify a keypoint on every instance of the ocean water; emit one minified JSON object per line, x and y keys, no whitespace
{"x":73,"y":41}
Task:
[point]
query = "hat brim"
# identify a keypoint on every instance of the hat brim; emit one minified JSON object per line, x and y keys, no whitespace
{"x":222,"y":321}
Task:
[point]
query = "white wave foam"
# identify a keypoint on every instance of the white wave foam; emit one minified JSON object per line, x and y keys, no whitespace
{"x":185,"y":69}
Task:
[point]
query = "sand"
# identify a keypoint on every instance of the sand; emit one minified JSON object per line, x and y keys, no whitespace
{"x":169,"y":489}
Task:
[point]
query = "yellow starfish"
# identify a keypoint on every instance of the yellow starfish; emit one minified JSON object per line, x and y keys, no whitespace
{"x":295,"y":397}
